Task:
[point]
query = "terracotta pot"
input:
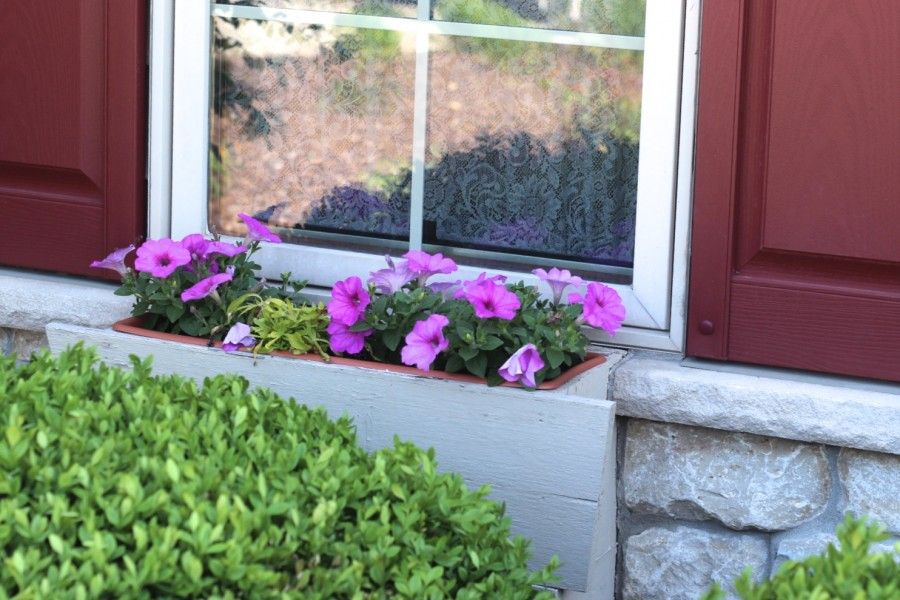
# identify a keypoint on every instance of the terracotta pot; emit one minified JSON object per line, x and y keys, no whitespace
{"x":135,"y":326}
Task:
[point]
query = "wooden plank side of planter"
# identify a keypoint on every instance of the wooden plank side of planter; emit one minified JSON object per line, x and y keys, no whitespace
{"x":550,"y":456}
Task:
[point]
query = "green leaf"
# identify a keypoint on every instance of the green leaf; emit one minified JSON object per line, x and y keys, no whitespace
{"x":477,"y":365}
{"x":491,"y":342}
{"x":392,"y":339}
{"x":192,"y":566}
{"x":240,"y":416}
{"x":172,"y":470}
{"x":455,"y":364}
{"x":555,"y":357}
{"x":467,"y":353}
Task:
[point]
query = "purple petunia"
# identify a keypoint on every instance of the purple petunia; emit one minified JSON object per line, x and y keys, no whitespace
{"x":349,"y":300}
{"x":115,"y":261}
{"x":238,"y":337}
{"x":601,"y":307}
{"x":161,"y":257}
{"x":558,"y":280}
{"x":205,"y":287}
{"x":257,"y":231}
{"x":447,"y":289}
{"x":425,"y":342}
{"x":391,"y":279}
{"x":491,"y":299}
{"x":223,"y":249}
{"x":196,"y":244}
{"x":466,"y":285}
{"x":341,"y":339}
{"x":522,"y":365}
{"x":423,"y":265}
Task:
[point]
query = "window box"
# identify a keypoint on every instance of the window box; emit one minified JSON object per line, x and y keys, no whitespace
{"x":134,"y":326}
{"x":549,"y":455}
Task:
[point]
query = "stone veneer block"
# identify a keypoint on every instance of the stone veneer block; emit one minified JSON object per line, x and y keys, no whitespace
{"x":745,"y":481}
{"x":24,"y":343}
{"x":872,"y":484}
{"x":816,"y":408}
{"x":681,"y":564}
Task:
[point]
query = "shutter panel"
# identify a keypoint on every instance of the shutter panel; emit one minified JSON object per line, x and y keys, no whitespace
{"x":72,"y":131}
{"x":796,"y":226}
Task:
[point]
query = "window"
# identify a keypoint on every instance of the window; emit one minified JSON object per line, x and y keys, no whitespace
{"x":509,"y":134}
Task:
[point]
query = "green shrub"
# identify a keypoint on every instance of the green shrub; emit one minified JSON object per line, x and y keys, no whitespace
{"x":120,"y":484}
{"x":850,"y":572}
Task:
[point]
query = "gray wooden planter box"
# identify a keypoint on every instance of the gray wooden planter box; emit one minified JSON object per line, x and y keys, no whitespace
{"x":549,"y":455}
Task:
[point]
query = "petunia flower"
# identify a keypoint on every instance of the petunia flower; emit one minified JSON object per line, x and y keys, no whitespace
{"x":492,"y":299}
{"x":196,"y":244}
{"x":473,"y":283}
{"x":341,"y":339}
{"x":161,"y":257}
{"x":601,"y":307}
{"x":349,"y":300}
{"x":238,"y":337}
{"x":115,"y":261}
{"x":522,"y":365}
{"x":205,"y":287}
{"x":425,"y":342}
{"x":391,"y":279}
{"x":257,"y":230}
{"x":423,"y":265}
{"x":447,"y":289}
{"x":558,"y":279}
{"x":224,"y":249}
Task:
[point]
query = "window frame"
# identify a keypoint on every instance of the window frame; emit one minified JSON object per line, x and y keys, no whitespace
{"x":655,"y":298}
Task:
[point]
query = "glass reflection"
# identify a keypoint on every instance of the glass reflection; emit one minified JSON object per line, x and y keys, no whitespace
{"x":621,"y":17}
{"x":311,"y":128}
{"x":378,"y":8}
{"x":533,"y":148}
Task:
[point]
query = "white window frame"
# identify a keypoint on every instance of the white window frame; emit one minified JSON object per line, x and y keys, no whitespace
{"x":179,"y":132}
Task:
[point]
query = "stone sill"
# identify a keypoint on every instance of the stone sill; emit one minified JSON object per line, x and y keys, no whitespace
{"x":29,"y":301}
{"x":772,"y":402}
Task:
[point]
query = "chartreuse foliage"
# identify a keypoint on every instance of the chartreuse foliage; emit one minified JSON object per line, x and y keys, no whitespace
{"x":120,"y":484}
{"x":847,"y":572}
{"x":280,"y":324}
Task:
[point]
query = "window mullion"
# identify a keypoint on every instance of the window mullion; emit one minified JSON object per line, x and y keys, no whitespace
{"x":420,"y":130}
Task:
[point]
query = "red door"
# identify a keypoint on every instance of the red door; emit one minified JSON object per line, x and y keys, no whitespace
{"x":72,"y":130}
{"x":796,"y":229}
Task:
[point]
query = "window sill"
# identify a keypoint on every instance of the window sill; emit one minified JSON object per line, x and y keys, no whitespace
{"x":812,"y":408}
{"x":30,"y":301}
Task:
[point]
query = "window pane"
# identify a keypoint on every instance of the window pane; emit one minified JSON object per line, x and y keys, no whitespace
{"x":378,"y":8}
{"x":533,"y":149}
{"x":311,"y":128}
{"x":621,"y":17}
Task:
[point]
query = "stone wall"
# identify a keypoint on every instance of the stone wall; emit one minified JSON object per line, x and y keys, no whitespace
{"x":21,"y":342}
{"x":698,"y":504}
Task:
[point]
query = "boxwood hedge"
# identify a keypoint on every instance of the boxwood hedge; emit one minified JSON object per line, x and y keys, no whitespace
{"x":121,"y":484}
{"x":848,"y":570}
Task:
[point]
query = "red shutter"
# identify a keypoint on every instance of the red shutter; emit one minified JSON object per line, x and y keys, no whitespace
{"x":796,"y":227}
{"x":72,"y":130}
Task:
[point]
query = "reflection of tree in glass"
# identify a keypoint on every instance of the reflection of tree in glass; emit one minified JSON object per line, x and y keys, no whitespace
{"x":622,"y":17}
{"x":508,"y":193}
{"x":517,"y":192}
